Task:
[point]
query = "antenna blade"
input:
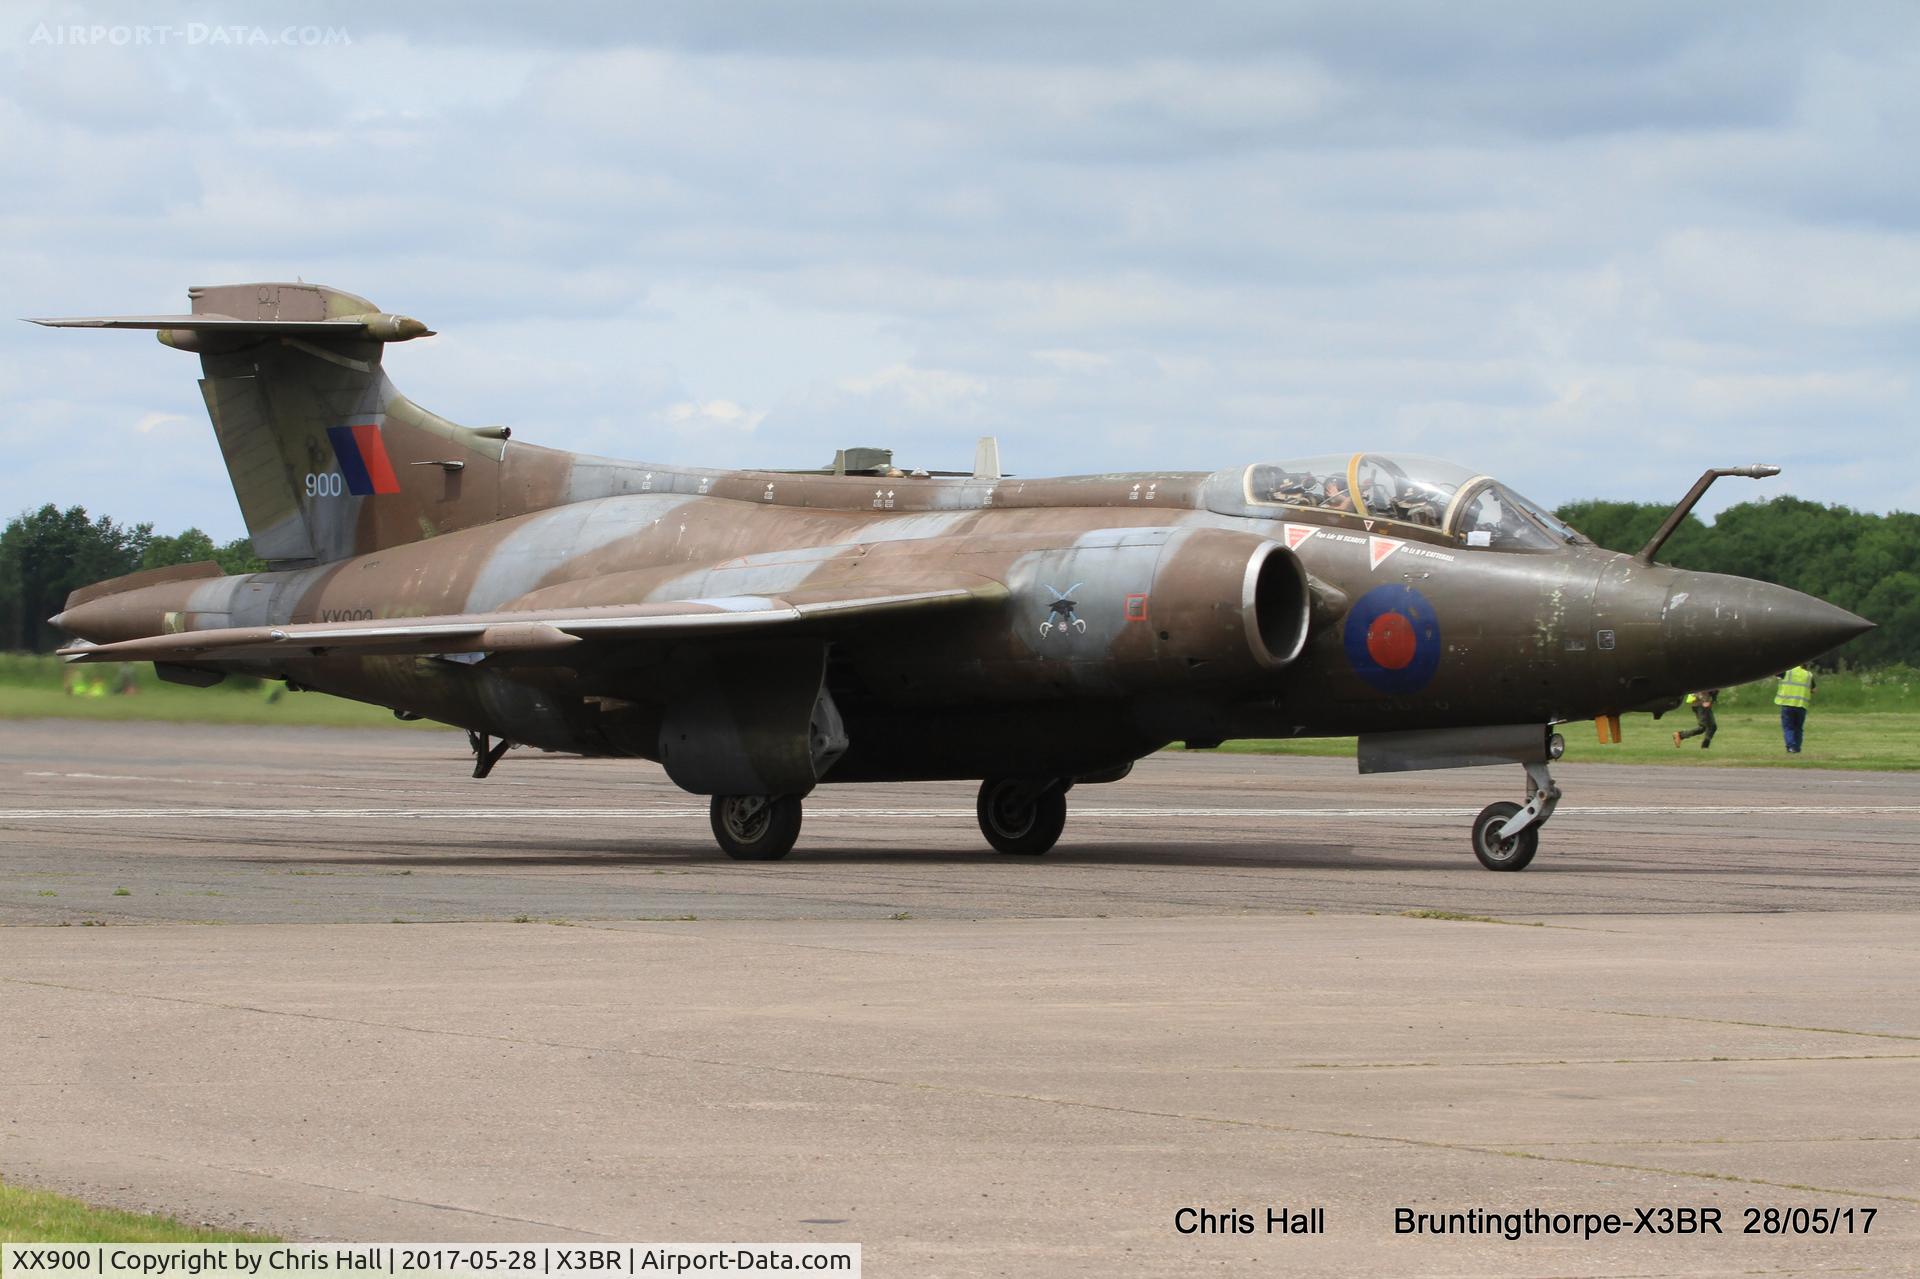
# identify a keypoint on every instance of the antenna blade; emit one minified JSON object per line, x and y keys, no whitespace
{"x":986,"y":458}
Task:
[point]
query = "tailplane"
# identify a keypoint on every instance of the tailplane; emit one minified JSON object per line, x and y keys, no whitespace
{"x":327,"y":459}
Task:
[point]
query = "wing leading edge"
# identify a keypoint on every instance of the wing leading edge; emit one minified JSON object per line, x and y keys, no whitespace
{"x":538,"y":630}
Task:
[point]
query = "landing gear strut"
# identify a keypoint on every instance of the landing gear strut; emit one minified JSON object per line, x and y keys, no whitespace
{"x":1021,"y":815}
{"x":756,"y":828}
{"x":486,"y":752}
{"x":1507,"y":835}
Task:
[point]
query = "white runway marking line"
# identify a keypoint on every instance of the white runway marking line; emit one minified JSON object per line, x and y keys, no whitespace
{"x":1117,"y":814}
{"x":346,"y":784}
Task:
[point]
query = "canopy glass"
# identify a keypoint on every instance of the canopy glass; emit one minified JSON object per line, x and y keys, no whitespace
{"x":1470,"y":508}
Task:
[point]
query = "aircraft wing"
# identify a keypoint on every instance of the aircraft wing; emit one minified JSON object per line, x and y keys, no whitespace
{"x":542,"y":630}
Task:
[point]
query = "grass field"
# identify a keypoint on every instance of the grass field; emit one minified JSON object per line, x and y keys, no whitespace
{"x":36,"y":1216}
{"x":34,"y":687}
{"x":1883,"y":741}
{"x":1865,"y":719}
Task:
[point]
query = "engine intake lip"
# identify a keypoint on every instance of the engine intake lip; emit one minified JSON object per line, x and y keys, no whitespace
{"x":1275,"y":603}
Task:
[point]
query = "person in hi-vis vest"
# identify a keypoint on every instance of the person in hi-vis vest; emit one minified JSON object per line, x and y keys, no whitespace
{"x":1796,"y":690}
{"x":1704,"y":722}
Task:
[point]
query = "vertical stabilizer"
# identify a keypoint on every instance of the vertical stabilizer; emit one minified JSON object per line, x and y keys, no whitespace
{"x":327,"y":459}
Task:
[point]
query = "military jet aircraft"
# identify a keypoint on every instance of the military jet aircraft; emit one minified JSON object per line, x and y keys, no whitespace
{"x":759,"y":633}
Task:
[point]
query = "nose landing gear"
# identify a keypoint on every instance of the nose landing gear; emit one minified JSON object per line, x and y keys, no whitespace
{"x":1507,"y":835}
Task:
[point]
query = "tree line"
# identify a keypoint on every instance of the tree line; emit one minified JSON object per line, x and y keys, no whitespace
{"x":1867,"y":563}
{"x":47,"y":553}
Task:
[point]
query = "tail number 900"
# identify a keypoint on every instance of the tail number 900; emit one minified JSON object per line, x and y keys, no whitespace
{"x":325,"y":484}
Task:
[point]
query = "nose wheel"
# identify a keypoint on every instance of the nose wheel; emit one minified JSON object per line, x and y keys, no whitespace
{"x":1507,"y":835}
{"x":1503,"y":852}
{"x":755,"y":828}
{"x":1022,"y":816}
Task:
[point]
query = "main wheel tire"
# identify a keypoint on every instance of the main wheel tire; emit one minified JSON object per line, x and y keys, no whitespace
{"x":756,"y":828}
{"x":1503,"y":854}
{"x":1016,"y":820}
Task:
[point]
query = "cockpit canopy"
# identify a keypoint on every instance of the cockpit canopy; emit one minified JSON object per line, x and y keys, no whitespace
{"x":1475,"y":510}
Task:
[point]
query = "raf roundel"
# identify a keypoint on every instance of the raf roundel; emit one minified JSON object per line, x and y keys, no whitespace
{"x":1392,"y":639}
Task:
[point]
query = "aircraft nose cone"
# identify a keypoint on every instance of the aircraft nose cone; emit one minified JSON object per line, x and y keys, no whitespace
{"x":1724,"y":630}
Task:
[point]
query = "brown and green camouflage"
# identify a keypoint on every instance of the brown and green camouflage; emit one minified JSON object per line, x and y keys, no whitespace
{"x":762,"y":632}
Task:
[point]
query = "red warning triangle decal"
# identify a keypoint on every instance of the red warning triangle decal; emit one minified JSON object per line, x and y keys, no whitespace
{"x":1298,"y":533}
{"x":1378,"y":548}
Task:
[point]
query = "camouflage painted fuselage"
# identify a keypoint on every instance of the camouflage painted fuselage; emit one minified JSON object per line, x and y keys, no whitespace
{"x":1018,"y":688}
{"x":1104,"y":617}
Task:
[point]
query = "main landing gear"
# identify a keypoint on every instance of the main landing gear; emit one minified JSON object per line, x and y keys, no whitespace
{"x":1018,"y":815}
{"x":755,"y":828}
{"x":1507,"y":835}
{"x":1021,"y":815}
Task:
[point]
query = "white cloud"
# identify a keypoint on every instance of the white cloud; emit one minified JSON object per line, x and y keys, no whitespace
{"x":150,"y":423}
{"x":1841,"y":277}
{"x":700,"y":418}
{"x":1067,"y":360}
{"x":1594,"y":254}
{"x":920,"y":390}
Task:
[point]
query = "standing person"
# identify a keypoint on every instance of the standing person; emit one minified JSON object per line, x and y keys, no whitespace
{"x":1796,"y":690}
{"x":1704,"y":722}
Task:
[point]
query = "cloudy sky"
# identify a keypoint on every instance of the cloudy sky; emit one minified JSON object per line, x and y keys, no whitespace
{"x":1591,"y":248}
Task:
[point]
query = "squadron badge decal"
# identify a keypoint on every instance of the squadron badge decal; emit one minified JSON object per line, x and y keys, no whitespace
{"x":1392,"y":639}
{"x":1060,"y":613}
